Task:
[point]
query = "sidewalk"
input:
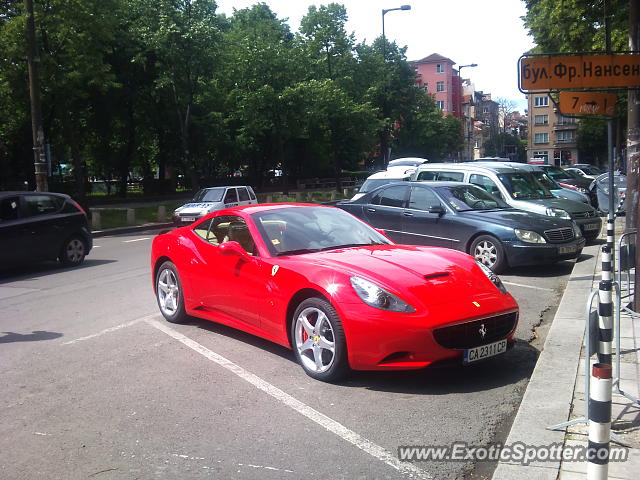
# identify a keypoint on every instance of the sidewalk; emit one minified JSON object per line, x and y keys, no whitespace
{"x":555,"y":392}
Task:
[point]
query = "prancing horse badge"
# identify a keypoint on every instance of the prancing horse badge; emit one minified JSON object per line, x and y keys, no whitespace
{"x":274,"y":270}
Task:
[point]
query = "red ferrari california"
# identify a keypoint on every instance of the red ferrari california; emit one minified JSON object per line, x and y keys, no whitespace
{"x":338,"y":292}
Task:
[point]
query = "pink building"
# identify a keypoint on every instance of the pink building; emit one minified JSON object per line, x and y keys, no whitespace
{"x":437,"y":76}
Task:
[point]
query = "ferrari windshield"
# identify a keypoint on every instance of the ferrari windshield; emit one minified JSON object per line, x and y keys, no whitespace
{"x":210,"y":195}
{"x":297,"y":230}
{"x":524,"y":186}
{"x":469,"y":197}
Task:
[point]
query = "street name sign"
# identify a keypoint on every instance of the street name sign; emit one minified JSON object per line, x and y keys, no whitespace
{"x":589,"y":103}
{"x":540,"y":73}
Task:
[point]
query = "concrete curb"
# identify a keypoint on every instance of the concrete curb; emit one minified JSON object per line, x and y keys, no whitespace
{"x":549,"y":395}
{"x":131,"y":229}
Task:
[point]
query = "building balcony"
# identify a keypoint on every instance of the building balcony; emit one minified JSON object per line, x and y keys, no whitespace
{"x":565,"y":144}
{"x":565,"y":126}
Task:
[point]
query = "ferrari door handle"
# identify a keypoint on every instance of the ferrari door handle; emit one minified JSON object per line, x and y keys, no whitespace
{"x":407,"y":214}
{"x":371,"y":210}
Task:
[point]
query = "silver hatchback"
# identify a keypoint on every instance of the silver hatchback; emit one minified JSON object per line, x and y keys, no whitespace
{"x":211,"y":199}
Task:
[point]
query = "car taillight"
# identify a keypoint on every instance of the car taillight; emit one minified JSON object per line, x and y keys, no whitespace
{"x":77,"y":205}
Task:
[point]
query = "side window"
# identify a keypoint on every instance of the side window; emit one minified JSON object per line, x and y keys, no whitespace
{"x":251,"y":194}
{"x":393,"y":196}
{"x":9,"y":208}
{"x":427,"y":176}
{"x":451,"y":176}
{"x":237,"y":231}
{"x":42,"y":204}
{"x":243,"y":195}
{"x":202,"y":230}
{"x":422,"y":199}
{"x":231,"y":196}
{"x":486,"y":183}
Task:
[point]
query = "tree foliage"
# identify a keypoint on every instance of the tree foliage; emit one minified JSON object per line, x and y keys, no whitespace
{"x":170,"y":87}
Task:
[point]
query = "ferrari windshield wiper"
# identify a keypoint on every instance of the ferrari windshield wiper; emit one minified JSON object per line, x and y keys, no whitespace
{"x":347,"y":245}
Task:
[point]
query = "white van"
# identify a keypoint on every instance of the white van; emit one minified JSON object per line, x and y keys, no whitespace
{"x":395,"y":174}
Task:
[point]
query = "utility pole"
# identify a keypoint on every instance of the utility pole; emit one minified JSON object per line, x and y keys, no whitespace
{"x":37,"y":131}
{"x":633,"y":149}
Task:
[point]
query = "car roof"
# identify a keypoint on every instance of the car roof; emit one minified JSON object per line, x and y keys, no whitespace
{"x":395,"y":173}
{"x":466,"y":166}
{"x":225,"y":186}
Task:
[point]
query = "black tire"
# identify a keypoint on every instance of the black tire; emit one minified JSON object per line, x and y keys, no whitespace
{"x":169,"y":290}
{"x":337,"y":362}
{"x":73,"y":251}
{"x":489,"y":251}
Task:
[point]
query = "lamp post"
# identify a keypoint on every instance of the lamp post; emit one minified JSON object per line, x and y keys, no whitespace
{"x":384,"y":148}
{"x":468,"y":126}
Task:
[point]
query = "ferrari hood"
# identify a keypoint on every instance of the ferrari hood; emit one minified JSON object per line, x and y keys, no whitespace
{"x":436,"y":275}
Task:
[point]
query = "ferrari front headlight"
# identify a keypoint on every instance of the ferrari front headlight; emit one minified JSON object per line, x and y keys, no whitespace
{"x":378,"y":297}
{"x":495,"y":279}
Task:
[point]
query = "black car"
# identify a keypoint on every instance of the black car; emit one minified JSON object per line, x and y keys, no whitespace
{"x":467,"y":218}
{"x":566,"y":180}
{"x":38,"y":226}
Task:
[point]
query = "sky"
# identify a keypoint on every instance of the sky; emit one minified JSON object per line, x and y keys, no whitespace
{"x":487,"y":32}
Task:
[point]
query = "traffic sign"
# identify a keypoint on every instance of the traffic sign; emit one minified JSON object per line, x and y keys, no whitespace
{"x":540,"y":73}
{"x":589,"y":103}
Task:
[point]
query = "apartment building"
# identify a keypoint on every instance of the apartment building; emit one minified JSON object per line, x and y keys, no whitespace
{"x":436,"y":75}
{"x":552,"y":136}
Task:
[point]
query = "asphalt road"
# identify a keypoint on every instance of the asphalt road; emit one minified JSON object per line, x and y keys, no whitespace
{"x":96,"y":385}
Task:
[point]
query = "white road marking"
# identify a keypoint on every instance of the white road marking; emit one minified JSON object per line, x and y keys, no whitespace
{"x":111,"y":329}
{"x":136,"y":240}
{"x":331,"y":425}
{"x":529,"y":286}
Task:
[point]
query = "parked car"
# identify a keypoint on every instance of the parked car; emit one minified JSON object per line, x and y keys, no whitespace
{"x":211,"y":199}
{"x":567,"y":180}
{"x":467,"y":218}
{"x":516,"y":187}
{"x":588,"y":169}
{"x":601,"y":188}
{"x":339,"y":293}
{"x":36,"y":226}
{"x":554,"y":187}
{"x":406,"y":162}
{"x":383,"y":177}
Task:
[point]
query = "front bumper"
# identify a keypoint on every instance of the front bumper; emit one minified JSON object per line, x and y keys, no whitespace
{"x":520,"y":253}
{"x":590,"y":226}
{"x":381,"y":340}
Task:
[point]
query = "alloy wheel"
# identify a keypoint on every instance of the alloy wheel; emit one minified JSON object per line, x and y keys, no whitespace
{"x":315,"y":340}
{"x":168,"y":292}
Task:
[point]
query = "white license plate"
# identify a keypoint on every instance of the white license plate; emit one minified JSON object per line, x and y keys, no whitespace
{"x":188,"y":219}
{"x":591,"y":226}
{"x":484,"y":351}
{"x":569,"y":249}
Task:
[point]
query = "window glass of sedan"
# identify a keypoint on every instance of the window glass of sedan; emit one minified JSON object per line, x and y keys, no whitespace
{"x":423,"y":199}
{"x":470,"y":197}
{"x":391,"y":197}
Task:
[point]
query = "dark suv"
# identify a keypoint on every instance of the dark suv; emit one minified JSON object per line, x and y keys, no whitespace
{"x":38,"y":226}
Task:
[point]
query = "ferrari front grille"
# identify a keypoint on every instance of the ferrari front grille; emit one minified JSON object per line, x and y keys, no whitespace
{"x":476,"y":333}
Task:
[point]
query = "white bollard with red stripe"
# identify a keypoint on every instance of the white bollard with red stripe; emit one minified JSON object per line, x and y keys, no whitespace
{"x":599,"y":422}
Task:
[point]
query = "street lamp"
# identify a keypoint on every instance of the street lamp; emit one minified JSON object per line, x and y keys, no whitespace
{"x":385,"y":152}
{"x":384,"y":12}
{"x":469,"y":127}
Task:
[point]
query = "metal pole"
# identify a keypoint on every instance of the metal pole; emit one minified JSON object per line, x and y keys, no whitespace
{"x":40,"y":164}
{"x":612,"y":212}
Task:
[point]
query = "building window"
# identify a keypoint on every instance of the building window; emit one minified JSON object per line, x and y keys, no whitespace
{"x":542,"y":154}
{"x":440,"y":104}
{"x":439,"y":68}
{"x":541,"y":138}
{"x":426,"y":87}
{"x":541,"y":101}
{"x":566,"y":120}
{"x":541,"y":119}
{"x":566,"y":136}
{"x":440,"y":87}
